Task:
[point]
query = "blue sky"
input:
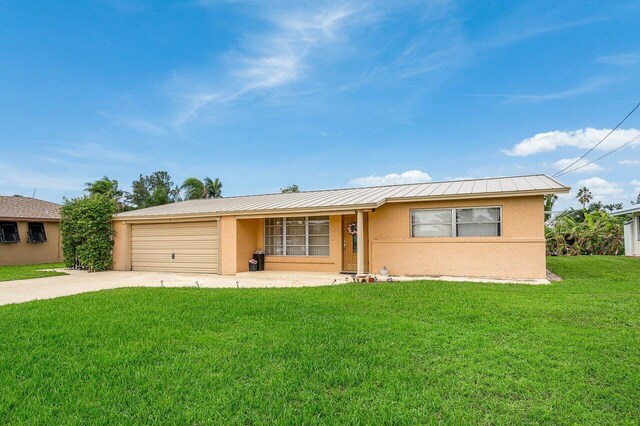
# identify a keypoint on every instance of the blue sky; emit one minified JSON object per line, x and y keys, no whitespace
{"x":321,"y":94}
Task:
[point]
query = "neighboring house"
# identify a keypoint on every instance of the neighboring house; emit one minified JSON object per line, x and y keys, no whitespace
{"x":631,"y":230}
{"x":477,"y":228}
{"x":29,"y":231}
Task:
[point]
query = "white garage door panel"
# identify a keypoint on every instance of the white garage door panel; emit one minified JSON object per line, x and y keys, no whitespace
{"x":194,"y":246}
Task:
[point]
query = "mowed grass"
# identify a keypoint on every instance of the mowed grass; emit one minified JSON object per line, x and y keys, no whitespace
{"x":25,"y":272}
{"x":395,"y":353}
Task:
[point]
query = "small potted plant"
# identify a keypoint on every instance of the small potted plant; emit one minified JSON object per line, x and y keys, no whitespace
{"x":383,"y":271}
{"x":253,"y":265}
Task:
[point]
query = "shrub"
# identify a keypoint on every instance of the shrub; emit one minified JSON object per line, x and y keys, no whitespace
{"x":590,"y":233}
{"x":86,"y":231}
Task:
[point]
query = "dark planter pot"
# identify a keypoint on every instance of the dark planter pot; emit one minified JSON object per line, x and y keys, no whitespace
{"x":253,"y":267}
{"x":259,"y":257}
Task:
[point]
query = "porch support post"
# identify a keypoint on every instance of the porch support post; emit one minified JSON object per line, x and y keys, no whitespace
{"x":360,"y":242}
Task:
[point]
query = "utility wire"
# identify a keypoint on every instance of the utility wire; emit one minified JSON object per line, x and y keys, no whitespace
{"x":596,"y":145}
{"x":624,"y":145}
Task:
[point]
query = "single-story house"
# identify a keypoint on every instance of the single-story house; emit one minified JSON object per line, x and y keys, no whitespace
{"x":29,"y":231}
{"x":477,"y":228}
{"x":631,"y":230}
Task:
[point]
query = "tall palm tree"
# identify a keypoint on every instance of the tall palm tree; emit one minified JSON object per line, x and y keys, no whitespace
{"x":584,"y":196}
{"x":213,"y":187}
{"x":195,"y":189}
{"x":549,"y":201}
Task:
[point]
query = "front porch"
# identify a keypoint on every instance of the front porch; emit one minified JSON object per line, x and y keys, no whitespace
{"x":324,"y":242}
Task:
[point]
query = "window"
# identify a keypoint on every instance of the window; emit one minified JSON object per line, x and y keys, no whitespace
{"x":9,"y":232}
{"x":431,"y":223}
{"x":463,"y":222}
{"x":36,"y":232}
{"x":478,"y":222}
{"x":297,"y":236}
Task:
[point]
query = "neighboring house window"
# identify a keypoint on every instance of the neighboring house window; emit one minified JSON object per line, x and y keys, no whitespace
{"x":462,"y":222}
{"x":297,"y":236}
{"x":9,"y":232}
{"x":36,"y":232}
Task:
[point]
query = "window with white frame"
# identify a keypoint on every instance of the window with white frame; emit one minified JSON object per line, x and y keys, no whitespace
{"x":457,"y":222}
{"x":297,"y":236}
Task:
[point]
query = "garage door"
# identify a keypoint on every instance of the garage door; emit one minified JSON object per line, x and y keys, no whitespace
{"x":175,"y":247}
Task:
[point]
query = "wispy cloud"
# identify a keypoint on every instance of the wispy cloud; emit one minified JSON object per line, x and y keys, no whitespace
{"x":629,"y":163}
{"x":588,"y":86}
{"x":410,"y":176}
{"x":582,"y":138}
{"x":621,"y":59}
{"x":135,"y":123}
{"x":267,"y":61}
{"x":98,"y":152}
{"x":18,"y":179}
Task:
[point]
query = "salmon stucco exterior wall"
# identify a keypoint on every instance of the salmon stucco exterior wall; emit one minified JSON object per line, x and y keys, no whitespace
{"x":246,"y":242}
{"x":518,"y":253}
{"x":25,"y":253}
{"x":121,"y":246}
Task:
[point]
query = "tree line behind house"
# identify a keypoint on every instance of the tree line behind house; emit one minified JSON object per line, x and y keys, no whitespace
{"x":589,"y":230}
{"x":158,"y":188}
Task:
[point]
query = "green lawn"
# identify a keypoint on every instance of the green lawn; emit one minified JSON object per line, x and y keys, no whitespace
{"x":422,"y":352}
{"x":25,"y":272}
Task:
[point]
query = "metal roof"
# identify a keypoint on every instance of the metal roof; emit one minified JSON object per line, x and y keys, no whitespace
{"x":633,"y":209}
{"x":350,"y":198}
{"x":28,"y":208}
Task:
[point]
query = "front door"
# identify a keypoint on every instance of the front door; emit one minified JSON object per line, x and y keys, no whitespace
{"x":349,"y":244}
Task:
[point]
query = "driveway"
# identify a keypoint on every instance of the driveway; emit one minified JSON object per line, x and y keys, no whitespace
{"x":81,"y":282}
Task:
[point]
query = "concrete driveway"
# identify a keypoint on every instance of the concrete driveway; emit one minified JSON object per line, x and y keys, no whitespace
{"x":81,"y":282}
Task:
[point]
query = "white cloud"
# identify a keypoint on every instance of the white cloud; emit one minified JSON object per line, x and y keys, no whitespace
{"x":410,"y":176}
{"x":636,"y":184}
{"x":582,"y":138}
{"x":602,"y":189}
{"x":566,"y":162}
{"x":629,"y":163}
{"x":620,"y":59}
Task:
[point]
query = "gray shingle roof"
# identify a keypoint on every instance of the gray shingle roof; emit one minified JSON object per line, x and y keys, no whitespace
{"x":28,"y":208}
{"x":348,"y":198}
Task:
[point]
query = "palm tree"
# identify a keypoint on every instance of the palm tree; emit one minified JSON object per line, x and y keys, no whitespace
{"x":213,"y":187}
{"x":105,"y":186}
{"x":549,"y":201}
{"x":195,"y":189}
{"x":584,"y":196}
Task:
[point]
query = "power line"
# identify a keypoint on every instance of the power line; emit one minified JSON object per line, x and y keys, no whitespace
{"x":596,"y":145}
{"x":624,"y":145}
